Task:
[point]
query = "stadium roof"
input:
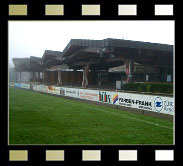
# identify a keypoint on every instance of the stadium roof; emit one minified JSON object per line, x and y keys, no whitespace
{"x":28,"y":64}
{"x":49,"y":54}
{"x":21,"y":64}
{"x":100,"y":54}
{"x":112,"y":52}
{"x":51,"y":58}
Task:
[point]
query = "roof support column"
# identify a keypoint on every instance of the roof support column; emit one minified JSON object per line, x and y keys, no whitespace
{"x":144,"y":71}
{"x":20,"y":76}
{"x":39,"y":76}
{"x":129,"y":63}
{"x":43,"y":75}
{"x":15,"y":77}
{"x":59,"y":77}
{"x":33,"y":76}
{"x":85,"y":76}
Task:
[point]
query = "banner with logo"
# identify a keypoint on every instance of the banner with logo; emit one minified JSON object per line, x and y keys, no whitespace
{"x":88,"y":94}
{"x":22,"y":85}
{"x":164,"y":105}
{"x":41,"y":88}
{"x":17,"y":85}
{"x":62,"y":91}
{"x":144,"y":102}
{"x":105,"y":97}
{"x":72,"y":92}
{"x":158,"y":104}
{"x":57,"y":91}
{"x":25,"y":86}
{"x":11,"y":83}
{"x":115,"y":98}
{"x":53,"y":89}
{"x":34,"y":87}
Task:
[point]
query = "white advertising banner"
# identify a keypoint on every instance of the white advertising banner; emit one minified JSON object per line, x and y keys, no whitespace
{"x":62,"y":91}
{"x":53,"y":89}
{"x":41,"y":88}
{"x":25,"y":86}
{"x":57,"y":90}
{"x":144,"y":102}
{"x":159,"y":104}
{"x":72,"y":92}
{"x":88,"y":94}
{"x":17,"y":85}
{"x":164,"y":105}
{"x":34,"y":87}
{"x":11,"y":83}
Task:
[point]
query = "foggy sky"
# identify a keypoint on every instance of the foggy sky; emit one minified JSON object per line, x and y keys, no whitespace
{"x":32,"y":38}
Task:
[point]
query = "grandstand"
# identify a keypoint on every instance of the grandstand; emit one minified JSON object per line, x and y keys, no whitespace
{"x":87,"y":101}
{"x":98,"y":70}
{"x":99,"y":63}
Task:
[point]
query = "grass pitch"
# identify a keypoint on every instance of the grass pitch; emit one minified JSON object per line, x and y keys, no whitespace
{"x":36,"y":118}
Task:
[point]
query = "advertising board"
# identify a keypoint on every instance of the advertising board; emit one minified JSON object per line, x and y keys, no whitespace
{"x":158,"y":104}
{"x":11,"y":83}
{"x":115,"y":98}
{"x":164,"y":105}
{"x":105,"y":97}
{"x":34,"y":87}
{"x":88,"y":94}
{"x":22,"y":85}
{"x":72,"y":92}
{"x":52,"y":90}
{"x":25,"y":86}
{"x":57,"y":90}
{"x":138,"y":101}
{"x":41,"y":88}
{"x":18,"y":85}
{"x":62,"y":91}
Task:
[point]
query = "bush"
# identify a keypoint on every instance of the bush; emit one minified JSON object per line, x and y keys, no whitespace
{"x":150,"y":87}
{"x":139,"y":89}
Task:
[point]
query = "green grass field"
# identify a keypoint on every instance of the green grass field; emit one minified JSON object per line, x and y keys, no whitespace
{"x":36,"y":118}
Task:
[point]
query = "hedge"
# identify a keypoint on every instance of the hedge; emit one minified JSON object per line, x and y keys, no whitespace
{"x":150,"y":87}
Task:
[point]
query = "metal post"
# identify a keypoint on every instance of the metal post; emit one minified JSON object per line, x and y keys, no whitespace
{"x":85,"y":76}
{"x":43,"y":75}
{"x":59,"y":77}
{"x":20,"y":77}
{"x":38,"y":75}
{"x":16,"y":80}
{"x":144,"y":72}
{"x":166,"y":71}
{"x":129,"y":69}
